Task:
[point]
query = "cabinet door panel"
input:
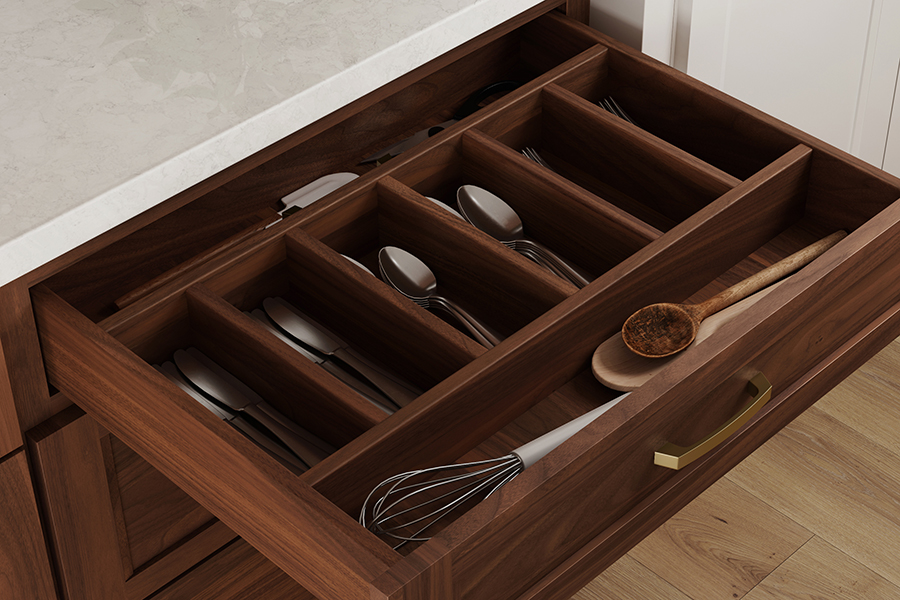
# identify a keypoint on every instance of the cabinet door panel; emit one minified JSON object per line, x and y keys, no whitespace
{"x":118,"y":528}
{"x":801,"y":61}
{"x":24,"y":566}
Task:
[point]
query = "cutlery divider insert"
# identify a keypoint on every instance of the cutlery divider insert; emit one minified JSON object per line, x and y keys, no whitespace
{"x":690,"y":115}
{"x":249,"y":491}
{"x":646,"y":168}
{"x":212,"y":211}
{"x":371,"y":317}
{"x":295,"y":386}
{"x":582,"y":227}
{"x":486,"y":277}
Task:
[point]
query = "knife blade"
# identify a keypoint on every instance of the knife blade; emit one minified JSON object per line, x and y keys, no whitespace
{"x":296,"y":325}
{"x":367,"y":392}
{"x":222,"y":387}
{"x":245,"y":427}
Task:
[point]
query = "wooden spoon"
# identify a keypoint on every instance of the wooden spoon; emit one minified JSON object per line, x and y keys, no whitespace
{"x":617,"y":367}
{"x":663,"y":329}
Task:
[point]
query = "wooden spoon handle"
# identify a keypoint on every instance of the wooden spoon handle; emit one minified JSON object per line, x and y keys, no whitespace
{"x":767,"y":276}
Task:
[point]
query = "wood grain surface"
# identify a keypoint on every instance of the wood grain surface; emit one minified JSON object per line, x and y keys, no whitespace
{"x":229,"y":475}
{"x":24,"y":397}
{"x":81,"y":525}
{"x":25,"y":572}
{"x":704,"y":189}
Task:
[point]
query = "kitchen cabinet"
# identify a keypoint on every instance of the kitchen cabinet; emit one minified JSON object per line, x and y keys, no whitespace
{"x":117,"y":528}
{"x":700,"y":193}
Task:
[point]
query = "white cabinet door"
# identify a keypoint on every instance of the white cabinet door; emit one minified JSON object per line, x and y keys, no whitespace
{"x":828,"y":67}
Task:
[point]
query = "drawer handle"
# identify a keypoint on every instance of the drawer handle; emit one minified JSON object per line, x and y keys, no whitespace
{"x":677,"y":457}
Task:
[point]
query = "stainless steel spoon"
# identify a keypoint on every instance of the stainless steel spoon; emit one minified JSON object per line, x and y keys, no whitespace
{"x":412,"y":278}
{"x":492,"y":215}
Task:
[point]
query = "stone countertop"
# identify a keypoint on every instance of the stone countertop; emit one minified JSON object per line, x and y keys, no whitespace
{"x":109,"y":107}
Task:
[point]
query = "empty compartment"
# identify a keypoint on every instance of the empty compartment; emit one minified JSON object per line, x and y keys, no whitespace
{"x":654,"y":181}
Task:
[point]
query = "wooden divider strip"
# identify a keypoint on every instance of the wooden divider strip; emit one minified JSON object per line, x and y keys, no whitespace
{"x":494,"y":282}
{"x":554,"y":210}
{"x":284,"y":518}
{"x":304,"y":392}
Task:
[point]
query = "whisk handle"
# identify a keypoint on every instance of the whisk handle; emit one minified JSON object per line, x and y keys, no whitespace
{"x":536,"y":449}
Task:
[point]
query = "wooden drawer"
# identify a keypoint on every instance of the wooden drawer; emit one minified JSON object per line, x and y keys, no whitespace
{"x":703,"y":193}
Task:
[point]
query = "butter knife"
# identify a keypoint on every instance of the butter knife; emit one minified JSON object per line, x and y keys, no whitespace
{"x":222,"y":387}
{"x":293,"y":323}
{"x":287,"y":458}
{"x":367,"y":392}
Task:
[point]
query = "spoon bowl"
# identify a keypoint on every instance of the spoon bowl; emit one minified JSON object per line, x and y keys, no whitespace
{"x":492,"y":215}
{"x":412,"y":278}
{"x":661,"y":330}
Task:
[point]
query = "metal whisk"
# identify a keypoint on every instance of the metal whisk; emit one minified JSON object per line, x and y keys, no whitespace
{"x":404,"y":507}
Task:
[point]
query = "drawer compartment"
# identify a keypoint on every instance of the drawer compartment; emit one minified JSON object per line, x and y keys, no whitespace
{"x":654,"y":212}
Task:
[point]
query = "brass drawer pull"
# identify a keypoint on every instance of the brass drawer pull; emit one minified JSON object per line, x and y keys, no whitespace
{"x":677,"y":457}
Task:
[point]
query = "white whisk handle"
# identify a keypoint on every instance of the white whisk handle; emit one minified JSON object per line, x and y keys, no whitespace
{"x":536,"y":449}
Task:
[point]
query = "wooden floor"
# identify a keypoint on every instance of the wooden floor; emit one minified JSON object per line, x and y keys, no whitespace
{"x":812,"y":514}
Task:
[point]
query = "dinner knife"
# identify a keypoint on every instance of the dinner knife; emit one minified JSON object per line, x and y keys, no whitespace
{"x":235,"y":420}
{"x":367,"y":392}
{"x":220,"y":386}
{"x":298,"y":327}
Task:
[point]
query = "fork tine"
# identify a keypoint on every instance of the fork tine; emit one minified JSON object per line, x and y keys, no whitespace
{"x":536,"y":157}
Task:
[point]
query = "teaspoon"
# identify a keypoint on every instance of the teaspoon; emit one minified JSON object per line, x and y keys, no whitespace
{"x":492,"y":215}
{"x":412,"y":278}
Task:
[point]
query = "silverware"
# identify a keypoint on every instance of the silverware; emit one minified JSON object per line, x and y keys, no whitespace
{"x":359,"y":264}
{"x":412,"y":278}
{"x":613,"y":107}
{"x":471,"y":105}
{"x":309,"y":193}
{"x":492,"y":215}
{"x":229,"y":392}
{"x":312,"y":337}
{"x":532,"y":154}
{"x":445,"y":207}
{"x":245,"y":427}
{"x":364,"y":390}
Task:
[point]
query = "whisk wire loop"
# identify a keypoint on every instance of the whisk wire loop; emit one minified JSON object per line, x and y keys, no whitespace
{"x":406,"y":489}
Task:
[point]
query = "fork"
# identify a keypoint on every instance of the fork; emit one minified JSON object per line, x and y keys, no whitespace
{"x":533,"y":155}
{"x":613,"y":107}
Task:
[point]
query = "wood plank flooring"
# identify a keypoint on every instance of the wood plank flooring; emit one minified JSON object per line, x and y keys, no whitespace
{"x":813,"y":514}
